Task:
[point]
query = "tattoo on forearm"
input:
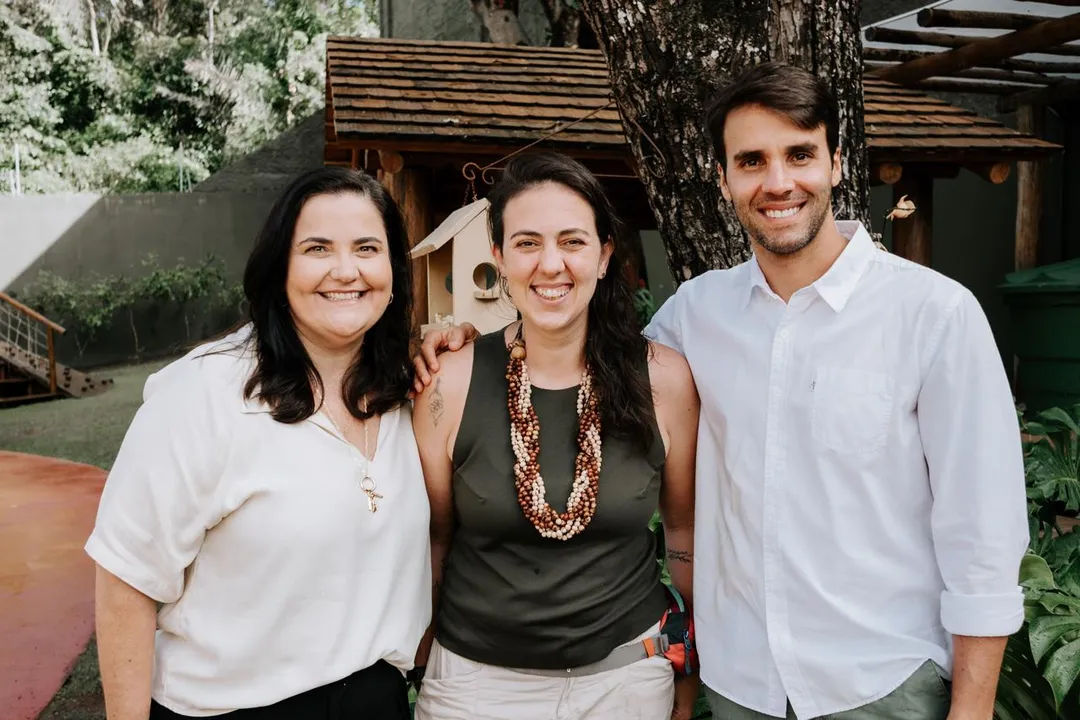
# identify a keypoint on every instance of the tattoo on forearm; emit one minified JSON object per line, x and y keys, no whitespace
{"x":436,"y":403}
{"x":680,"y":555}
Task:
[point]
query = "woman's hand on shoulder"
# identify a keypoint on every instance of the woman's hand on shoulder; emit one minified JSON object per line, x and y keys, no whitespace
{"x":438,"y":408}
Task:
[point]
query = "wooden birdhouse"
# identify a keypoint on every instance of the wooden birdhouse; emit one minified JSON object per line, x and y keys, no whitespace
{"x":462,"y":279}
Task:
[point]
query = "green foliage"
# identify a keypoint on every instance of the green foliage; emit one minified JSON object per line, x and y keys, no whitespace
{"x":87,"y":309}
{"x":1042,"y":661}
{"x":644,"y":305}
{"x":157,"y":94}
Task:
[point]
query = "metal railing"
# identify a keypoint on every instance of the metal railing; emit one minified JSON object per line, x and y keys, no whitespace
{"x":29,"y":338}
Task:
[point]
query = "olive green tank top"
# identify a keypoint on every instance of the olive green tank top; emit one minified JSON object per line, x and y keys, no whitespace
{"x":512,"y":598}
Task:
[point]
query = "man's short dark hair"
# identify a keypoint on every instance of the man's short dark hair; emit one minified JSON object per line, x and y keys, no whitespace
{"x":797,"y":94}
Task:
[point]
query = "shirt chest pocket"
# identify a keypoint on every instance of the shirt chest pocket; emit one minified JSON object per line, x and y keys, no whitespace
{"x":851,"y":409}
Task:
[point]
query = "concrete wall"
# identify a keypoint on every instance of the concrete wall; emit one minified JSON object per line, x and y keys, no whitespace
{"x":81,"y":237}
{"x":454,"y":20}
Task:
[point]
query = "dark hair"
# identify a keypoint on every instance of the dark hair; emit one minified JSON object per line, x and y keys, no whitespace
{"x":614,"y":346}
{"x":797,"y":94}
{"x":285,"y":376}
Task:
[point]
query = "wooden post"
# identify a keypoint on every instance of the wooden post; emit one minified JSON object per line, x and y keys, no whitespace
{"x":1029,"y":201}
{"x":410,"y":188}
{"x":52,"y":359}
{"x":913,"y":235}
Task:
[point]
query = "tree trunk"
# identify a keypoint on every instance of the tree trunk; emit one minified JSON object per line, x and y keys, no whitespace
{"x":500,"y":19}
{"x":666,"y":59}
{"x":95,"y":47}
{"x":565,"y":22}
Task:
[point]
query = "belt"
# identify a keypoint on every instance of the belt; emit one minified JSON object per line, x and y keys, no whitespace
{"x":619,"y":657}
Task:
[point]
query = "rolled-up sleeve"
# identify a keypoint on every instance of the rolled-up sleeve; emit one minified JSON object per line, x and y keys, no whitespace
{"x":971,"y":439}
{"x":162,"y":492}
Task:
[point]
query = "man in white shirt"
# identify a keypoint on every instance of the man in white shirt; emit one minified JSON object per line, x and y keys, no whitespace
{"x":861,"y":509}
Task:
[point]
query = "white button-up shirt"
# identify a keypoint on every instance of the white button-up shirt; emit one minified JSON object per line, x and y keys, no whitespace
{"x":274,"y":575}
{"x":860,"y":481}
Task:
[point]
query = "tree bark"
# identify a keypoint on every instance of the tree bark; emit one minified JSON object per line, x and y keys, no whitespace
{"x":565,"y":22}
{"x":500,"y":19}
{"x":666,"y":59}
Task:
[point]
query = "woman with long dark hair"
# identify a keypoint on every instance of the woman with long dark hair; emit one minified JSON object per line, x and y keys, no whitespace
{"x":547,"y":446}
{"x":262,"y":539}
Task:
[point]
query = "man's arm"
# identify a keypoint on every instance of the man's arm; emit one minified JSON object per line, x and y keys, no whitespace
{"x":976,"y":665}
{"x":971,"y":440}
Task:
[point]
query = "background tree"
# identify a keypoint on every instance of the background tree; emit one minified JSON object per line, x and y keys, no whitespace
{"x":666,"y":59}
{"x":116,"y":95}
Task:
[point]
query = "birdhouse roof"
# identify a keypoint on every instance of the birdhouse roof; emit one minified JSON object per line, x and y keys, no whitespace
{"x":451,"y":226}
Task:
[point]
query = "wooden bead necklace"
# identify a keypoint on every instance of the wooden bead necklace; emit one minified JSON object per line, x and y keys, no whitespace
{"x":525,"y":439}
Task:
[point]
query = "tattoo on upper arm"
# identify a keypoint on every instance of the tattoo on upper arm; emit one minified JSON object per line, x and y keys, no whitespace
{"x":436,"y":404}
{"x":681,"y":555}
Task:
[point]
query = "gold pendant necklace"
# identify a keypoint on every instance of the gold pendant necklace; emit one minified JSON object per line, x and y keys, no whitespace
{"x":367,"y":483}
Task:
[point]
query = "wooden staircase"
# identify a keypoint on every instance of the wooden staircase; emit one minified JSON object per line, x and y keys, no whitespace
{"x":28,"y":368}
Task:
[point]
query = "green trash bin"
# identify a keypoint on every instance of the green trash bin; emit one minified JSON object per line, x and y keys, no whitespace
{"x":1044,"y":305}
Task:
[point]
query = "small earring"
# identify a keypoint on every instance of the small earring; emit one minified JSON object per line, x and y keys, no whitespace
{"x":391,"y":299}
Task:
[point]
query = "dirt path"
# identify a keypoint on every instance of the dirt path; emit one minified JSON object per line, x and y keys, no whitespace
{"x":47,"y":510}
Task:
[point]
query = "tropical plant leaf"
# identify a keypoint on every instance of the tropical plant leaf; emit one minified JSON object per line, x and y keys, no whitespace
{"x":1059,"y":603}
{"x":1062,"y":669}
{"x":1035,"y":573}
{"x":1061,"y":417}
{"x":1045,"y":632}
{"x":1021,"y":687}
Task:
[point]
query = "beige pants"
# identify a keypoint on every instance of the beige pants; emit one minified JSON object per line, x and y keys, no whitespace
{"x":456,"y":688}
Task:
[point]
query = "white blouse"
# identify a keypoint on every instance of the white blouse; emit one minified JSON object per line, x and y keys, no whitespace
{"x":274,"y":575}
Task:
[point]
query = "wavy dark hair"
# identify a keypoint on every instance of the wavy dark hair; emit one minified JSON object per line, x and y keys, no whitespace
{"x":614,"y":345}
{"x":285,"y":377}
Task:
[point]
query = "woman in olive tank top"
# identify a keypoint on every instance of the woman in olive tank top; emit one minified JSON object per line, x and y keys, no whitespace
{"x":546,"y":448}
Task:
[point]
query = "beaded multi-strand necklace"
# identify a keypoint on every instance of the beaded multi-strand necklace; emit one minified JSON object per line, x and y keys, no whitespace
{"x":525,"y":439}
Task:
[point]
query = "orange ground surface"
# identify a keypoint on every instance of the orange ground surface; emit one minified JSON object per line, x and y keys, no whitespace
{"x":47,"y":510}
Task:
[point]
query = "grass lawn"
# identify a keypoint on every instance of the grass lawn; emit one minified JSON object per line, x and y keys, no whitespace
{"x":88,"y":430}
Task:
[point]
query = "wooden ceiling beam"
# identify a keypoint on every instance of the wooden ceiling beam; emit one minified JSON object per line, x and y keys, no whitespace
{"x":977,"y":19}
{"x":936,"y":39}
{"x":991,"y":50}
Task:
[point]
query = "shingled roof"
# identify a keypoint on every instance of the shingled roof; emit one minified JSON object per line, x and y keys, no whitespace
{"x":433,"y":95}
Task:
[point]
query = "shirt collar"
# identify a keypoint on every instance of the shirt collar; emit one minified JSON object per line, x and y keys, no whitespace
{"x":839,"y":281}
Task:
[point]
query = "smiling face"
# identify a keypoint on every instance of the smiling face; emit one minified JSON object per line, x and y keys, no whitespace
{"x":551,"y":256}
{"x":339,"y":278}
{"x":779,"y":177}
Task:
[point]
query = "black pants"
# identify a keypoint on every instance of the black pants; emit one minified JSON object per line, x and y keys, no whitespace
{"x":375,"y":693}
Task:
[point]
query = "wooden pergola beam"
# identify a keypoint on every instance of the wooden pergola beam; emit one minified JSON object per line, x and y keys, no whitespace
{"x":1032,"y":39}
{"x":969,"y":86}
{"x":989,"y":74}
{"x":898,"y":55}
{"x":1061,"y":92}
{"x":977,"y":19}
{"x":922,"y":37}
